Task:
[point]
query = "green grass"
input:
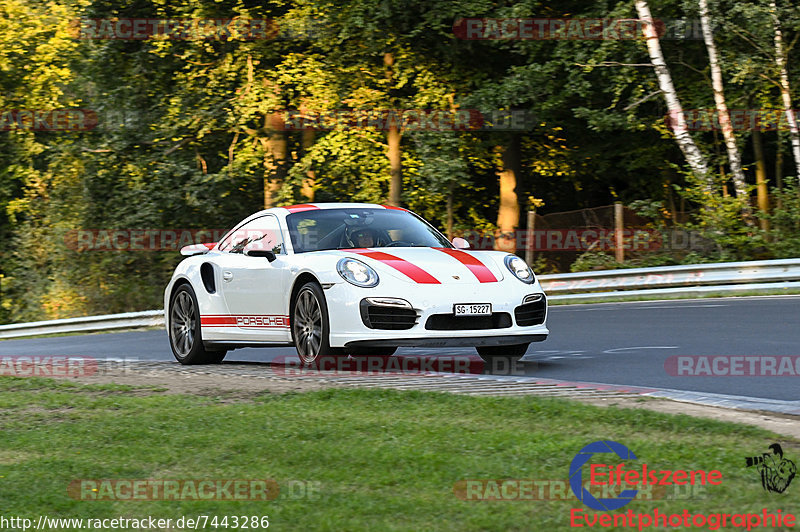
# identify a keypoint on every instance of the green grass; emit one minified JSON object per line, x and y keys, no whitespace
{"x":383,"y":460}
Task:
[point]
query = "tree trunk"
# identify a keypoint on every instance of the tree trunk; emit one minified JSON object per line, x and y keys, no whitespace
{"x":734,"y":158}
{"x":761,"y":178}
{"x":697,"y":162}
{"x":780,"y":61}
{"x":275,"y":166}
{"x":508,"y":167}
{"x":311,"y":178}
{"x":393,"y":143}
{"x":395,"y":170}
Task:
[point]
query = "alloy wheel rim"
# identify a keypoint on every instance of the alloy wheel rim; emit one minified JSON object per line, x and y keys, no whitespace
{"x":307,"y":325}
{"x":182,"y":324}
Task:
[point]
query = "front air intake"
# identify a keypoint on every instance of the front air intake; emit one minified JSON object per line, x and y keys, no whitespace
{"x":531,"y":313}
{"x":387,"y":317}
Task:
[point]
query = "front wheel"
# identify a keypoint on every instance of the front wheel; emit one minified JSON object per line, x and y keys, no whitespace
{"x":185,"y":337}
{"x":310,"y":325}
{"x":511,"y":352}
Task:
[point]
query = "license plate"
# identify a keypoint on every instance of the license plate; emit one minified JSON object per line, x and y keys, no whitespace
{"x":472,"y":309}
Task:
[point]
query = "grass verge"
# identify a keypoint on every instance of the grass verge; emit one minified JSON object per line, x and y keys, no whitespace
{"x":380,"y":460}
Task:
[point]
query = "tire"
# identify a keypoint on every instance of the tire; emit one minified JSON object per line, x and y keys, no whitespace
{"x":185,"y":336}
{"x":361,"y":352}
{"x":311,"y":326}
{"x":512,"y":352}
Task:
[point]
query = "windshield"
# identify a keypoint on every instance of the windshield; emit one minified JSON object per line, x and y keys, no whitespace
{"x":346,"y":228}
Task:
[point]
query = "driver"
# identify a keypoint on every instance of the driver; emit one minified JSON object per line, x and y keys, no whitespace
{"x":363,"y":238}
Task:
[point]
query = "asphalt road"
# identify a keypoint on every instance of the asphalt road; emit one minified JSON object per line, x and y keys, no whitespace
{"x":613,"y":343}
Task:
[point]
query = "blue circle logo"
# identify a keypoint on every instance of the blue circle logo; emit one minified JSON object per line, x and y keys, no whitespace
{"x":576,"y":477}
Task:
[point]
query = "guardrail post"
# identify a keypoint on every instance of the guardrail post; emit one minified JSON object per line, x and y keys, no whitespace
{"x":619,"y":250}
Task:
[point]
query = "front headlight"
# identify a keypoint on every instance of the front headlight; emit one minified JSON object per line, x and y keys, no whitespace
{"x":520,"y":269}
{"x":357,"y":273}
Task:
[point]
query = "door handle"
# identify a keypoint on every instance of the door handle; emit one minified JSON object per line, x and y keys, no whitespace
{"x":227,"y":276}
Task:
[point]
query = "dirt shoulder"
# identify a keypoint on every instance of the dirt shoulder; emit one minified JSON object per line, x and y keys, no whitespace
{"x":239,"y":382}
{"x":786,"y":425}
{"x":199,"y":382}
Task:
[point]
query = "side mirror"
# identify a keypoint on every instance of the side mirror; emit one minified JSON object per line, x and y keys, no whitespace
{"x":460,"y":243}
{"x":256,"y":249}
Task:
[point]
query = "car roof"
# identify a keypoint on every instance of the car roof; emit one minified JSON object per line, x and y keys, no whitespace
{"x":290,"y":209}
{"x":332,"y":205}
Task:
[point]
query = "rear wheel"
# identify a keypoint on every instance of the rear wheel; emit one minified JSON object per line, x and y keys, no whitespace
{"x":511,"y":352}
{"x":185,"y":336}
{"x":310,"y":325}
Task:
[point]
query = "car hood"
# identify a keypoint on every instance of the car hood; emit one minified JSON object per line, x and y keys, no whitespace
{"x":430,"y":265}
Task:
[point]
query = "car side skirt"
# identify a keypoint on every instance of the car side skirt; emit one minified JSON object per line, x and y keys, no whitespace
{"x":227,"y":345}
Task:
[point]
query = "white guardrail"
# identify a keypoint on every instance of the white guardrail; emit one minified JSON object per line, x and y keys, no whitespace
{"x":147,"y":318}
{"x":726,"y":278}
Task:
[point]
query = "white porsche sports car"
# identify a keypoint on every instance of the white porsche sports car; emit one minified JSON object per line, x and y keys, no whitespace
{"x":348,"y":279}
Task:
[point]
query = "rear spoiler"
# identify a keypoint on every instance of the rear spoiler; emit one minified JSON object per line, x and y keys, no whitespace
{"x":197,"y":249}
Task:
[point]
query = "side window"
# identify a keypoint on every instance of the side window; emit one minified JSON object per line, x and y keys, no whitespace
{"x":264,"y":229}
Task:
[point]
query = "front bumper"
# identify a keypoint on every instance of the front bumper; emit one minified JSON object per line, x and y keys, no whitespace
{"x":348,"y":328}
{"x":451,"y":341}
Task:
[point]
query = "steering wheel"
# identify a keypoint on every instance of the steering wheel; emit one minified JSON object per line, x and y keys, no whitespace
{"x":399,"y":243}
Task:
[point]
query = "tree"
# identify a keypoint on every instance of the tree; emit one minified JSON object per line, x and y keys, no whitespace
{"x":734,"y":157}
{"x":786,"y":94}
{"x":695,"y":158}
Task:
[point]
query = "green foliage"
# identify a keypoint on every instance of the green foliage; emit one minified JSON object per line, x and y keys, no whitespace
{"x":185,"y":137}
{"x":596,"y":260}
{"x":719,"y":220}
{"x":783,"y":238}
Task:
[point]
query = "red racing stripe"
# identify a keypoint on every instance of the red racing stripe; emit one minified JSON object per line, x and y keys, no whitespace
{"x":248,"y":321}
{"x":392,"y":207}
{"x":477,"y":268}
{"x":300,"y":208}
{"x":218,"y":321}
{"x":415,"y":273}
